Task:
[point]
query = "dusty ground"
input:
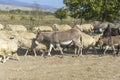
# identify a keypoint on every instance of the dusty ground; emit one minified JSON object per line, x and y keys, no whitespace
{"x":86,"y":67}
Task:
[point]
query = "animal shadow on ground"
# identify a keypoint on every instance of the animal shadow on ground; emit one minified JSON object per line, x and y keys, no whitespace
{"x":70,"y":52}
{"x":21,"y":52}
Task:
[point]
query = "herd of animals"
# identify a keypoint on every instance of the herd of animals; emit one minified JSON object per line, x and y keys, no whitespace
{"x":44,"y":39}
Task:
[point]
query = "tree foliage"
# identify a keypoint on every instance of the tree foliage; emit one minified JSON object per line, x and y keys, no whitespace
{"x":94,"y":9}
{"x":61,"y":13}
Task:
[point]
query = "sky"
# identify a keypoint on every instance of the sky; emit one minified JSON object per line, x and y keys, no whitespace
{"x":53,"y":3}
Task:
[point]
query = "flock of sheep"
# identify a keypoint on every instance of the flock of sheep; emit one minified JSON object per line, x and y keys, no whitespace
{"x":13,"y":37}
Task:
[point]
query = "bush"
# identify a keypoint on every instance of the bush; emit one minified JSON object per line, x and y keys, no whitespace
{"x":12,"y":17}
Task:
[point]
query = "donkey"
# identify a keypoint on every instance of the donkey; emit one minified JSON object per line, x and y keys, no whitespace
{"x":113,"y":41}
{"x":61,"y":37}
{"x":110,"y":31}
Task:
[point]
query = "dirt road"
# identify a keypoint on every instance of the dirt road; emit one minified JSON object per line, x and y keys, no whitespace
{"x":86,"y":67}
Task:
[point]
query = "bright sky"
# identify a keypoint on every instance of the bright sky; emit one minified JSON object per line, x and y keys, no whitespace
{"x":54,"y":3}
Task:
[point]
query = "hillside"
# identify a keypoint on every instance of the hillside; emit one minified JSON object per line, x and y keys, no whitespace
{"x":13,"y":7}
{"x":5,"y":7}
{"x":14,"y":4}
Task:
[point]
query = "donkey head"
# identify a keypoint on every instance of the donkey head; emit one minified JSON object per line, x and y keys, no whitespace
{"x":39,"y":36}
{"x":107,"y":31}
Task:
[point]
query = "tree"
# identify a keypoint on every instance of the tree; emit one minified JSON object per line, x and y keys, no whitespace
{"x":103,"y":10}
{"x":61,"y":14}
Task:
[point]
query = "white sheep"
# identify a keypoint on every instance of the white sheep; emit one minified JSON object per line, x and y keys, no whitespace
{"x":16,"y":27}
{"x":42,"y":28}
{"x":1,"y":27}
{"x":89,"y":41}
{"x":8,"y":48}
{"x":26,"y":35}
{"x":7,"y":34}
{"x":57,"y":27}
{"x":85,"y":27}
{"x":95,"y":23}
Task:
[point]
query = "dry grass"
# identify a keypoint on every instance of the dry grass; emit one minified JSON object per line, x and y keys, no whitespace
{"x":25,"y":20}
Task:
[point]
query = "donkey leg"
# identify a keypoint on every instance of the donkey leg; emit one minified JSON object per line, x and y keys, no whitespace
{"x":58,"y":45}
{"x":43,"y":53}
{"x":114,"y":52}
{"x":34,"y":52}
{"x":50,"y":48}
{"x":79,"y":52}
{"x":95,"y":50}
{"x":118,"y":50}
{"x":87,"y":50}
{"x":75,"y":51}
{"x":106,"y":48}
{"x":26,"y":53}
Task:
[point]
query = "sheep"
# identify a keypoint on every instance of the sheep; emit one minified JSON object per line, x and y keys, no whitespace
{"x":42,"y":28}
{"x":29,"y":44}
{"x":7,"y":34}
{"x":23,"y":39}
{"x":95,"y":23}
{"x":117,"y":25}
{"x":100,"y":28}
{"x":26,"y":35}
{"x":62,"y":27}
{"x":89,"y":41}
{"x":8,"y":49}
{"x":1,"y":27}
{"x":17,"y":35}
{"x":85,"y":27}
{"x":16,"y":27}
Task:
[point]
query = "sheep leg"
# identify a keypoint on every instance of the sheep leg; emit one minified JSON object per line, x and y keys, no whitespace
{"x":50,"y":48}
{"x":0,"y":58}
{"x":4,"y":59}
{"x":58,"y":45}
{"x":15,"y":55}
{"x":26,"y":53}
{"x":87,"y":50}
{"x":7,"y":58}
